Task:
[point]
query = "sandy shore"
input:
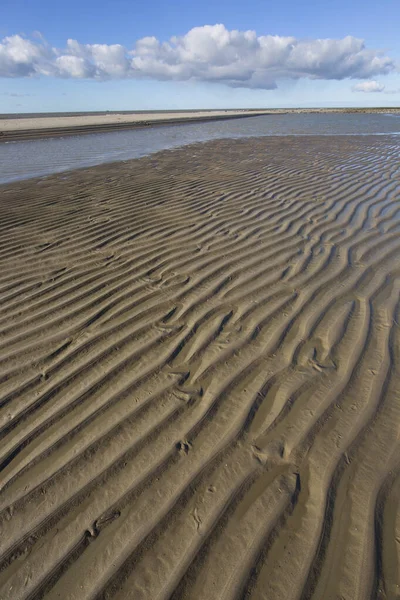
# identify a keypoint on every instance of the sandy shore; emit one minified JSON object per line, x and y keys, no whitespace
{"x":14,"y":128}
{"x":32,"y":127}
{"x":200,"y":375}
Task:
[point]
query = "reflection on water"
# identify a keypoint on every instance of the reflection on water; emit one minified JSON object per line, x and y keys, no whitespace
{"x":22,"y":160}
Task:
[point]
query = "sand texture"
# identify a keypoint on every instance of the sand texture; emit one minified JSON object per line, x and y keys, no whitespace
{"x":200,"y":388}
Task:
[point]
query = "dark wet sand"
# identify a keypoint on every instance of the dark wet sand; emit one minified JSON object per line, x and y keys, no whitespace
{"x":199,"y":375}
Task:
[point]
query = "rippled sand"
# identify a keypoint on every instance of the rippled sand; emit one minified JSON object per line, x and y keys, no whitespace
{"x":199,"y":381}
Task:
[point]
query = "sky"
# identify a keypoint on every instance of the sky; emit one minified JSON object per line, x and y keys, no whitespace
{"x":102,"y":55}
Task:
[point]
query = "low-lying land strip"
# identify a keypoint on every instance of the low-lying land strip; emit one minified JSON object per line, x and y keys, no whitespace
{"x":21,"y":127}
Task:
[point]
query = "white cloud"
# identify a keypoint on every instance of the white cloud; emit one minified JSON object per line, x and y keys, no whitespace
{"x":19,"y":56}
{"x":368,"y":86}
{"x":74,"y":66}
{"x":211,"y":53}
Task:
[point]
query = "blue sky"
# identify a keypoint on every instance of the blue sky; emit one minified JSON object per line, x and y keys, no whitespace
{"x":107,"y":69}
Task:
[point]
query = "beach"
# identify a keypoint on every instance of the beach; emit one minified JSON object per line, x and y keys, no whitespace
{"x":14,"y":127}
{"x":199,"y":377}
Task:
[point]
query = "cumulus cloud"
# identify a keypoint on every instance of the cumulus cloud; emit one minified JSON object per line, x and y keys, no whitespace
{"x":20,"y":57}
{"x":210,"y":53}
{"x":368,"y":86}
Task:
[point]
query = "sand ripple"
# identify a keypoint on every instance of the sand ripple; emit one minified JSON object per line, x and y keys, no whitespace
{"x":199,"y":375}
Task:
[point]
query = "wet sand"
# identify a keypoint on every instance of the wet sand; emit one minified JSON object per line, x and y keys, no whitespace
{"x":200,"y":384}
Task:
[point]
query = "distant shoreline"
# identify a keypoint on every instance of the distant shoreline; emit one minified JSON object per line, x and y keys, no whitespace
{"x":374,"y":109}
{"x":32,"y":126}
{"x":25,"y":128}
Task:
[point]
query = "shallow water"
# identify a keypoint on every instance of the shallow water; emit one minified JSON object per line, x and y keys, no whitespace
{"x":26,"y":159}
